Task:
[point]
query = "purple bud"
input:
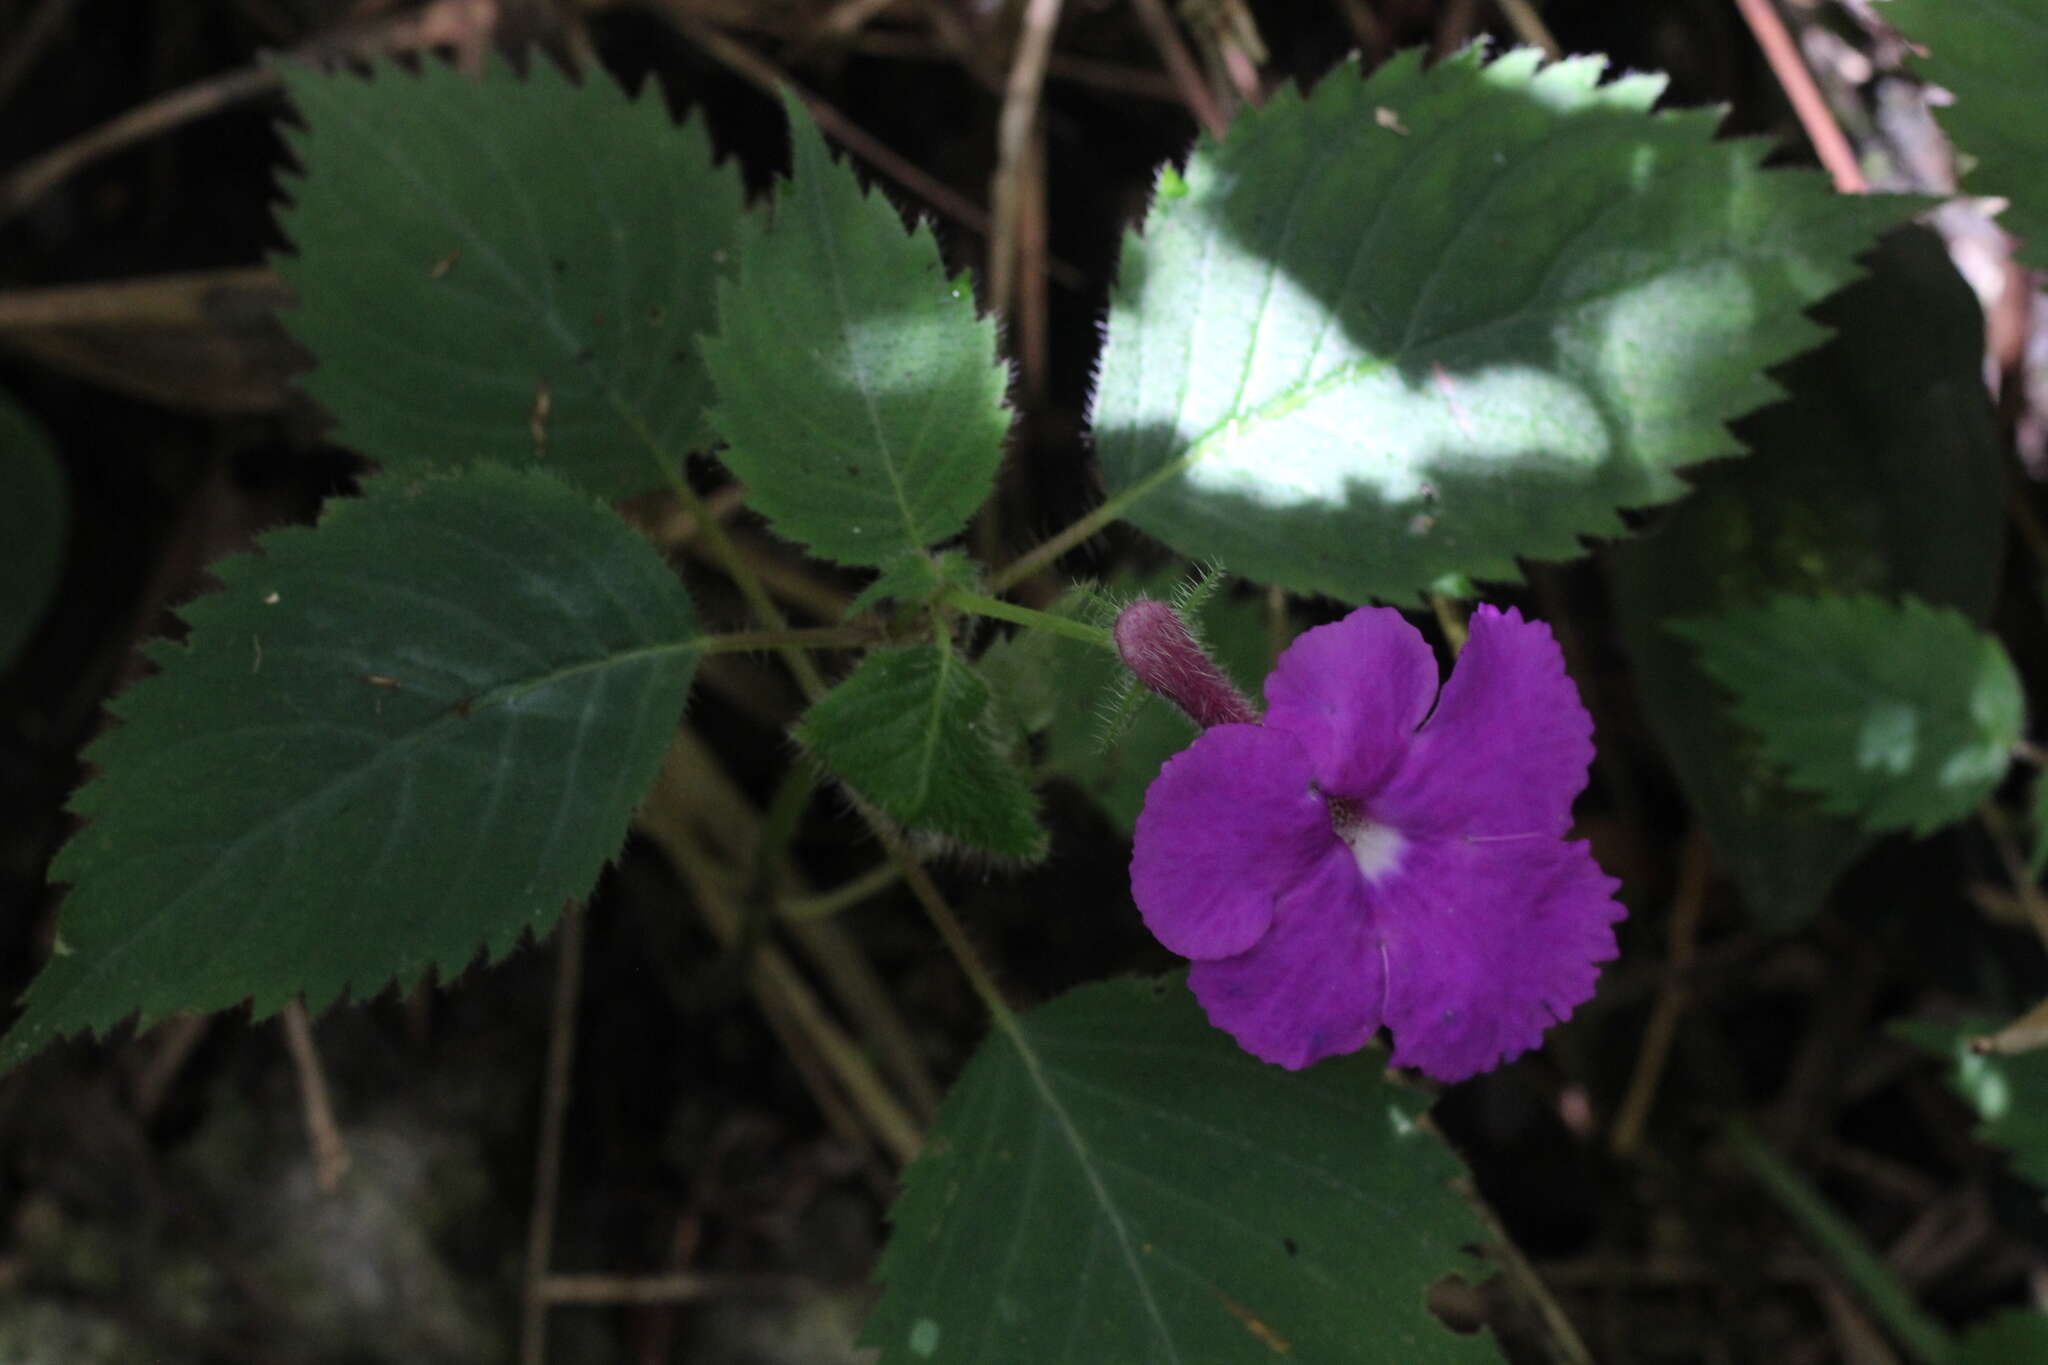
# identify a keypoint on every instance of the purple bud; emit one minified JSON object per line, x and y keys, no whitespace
{"x":1157,"y":647}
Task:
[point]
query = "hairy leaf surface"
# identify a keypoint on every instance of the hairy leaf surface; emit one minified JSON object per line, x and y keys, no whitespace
{"x":513,"y":269}
{"x":1902,"y":715}
{"x":909,"y":730}
{"x":1118,"y":1181}
{"x":1426,"y":322}
{"x":412,"y":732}
{"x":859,"y":395}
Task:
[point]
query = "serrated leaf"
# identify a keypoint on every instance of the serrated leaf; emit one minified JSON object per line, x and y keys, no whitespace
{"x":1065,"y":688}
{"x":506,"y":268}
{"x":859,"y":395}
{"x":1429,"y":321}
{"x":914,"y":577}
{"x":1118,"y":1181}
{"x":1989,"y":54}
{"x":908,"y":731}
{"x":1903,"y":716}
{"x":410,"y":733}
{"x":2014,"y":1337}
{"x":1881,"y":472}
{"x":34,"y":524}
{"x":2008,"y":1092}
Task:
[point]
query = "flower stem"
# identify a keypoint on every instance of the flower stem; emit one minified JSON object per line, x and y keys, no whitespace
{"x":1923,"y":1338}
{"x":755,"y":641}
{"x":982,"y":605}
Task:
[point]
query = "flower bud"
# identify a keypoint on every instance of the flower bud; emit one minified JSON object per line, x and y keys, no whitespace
{"x":1156,"y":646}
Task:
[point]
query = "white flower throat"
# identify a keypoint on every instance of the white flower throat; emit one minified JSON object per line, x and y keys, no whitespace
{"x":1375,"y":848}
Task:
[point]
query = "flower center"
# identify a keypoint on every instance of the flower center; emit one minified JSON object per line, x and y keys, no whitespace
{"x":1375,"y":848}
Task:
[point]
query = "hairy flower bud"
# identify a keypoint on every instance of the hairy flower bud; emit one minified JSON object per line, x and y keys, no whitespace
{"x":1156,"y":646}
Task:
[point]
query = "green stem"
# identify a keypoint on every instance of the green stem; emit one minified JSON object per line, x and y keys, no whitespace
{"x":1922,"y":1337}
{"x":755,"y":641}
{"x":844,"y":896}
{"x":1111,"y":508}
{"x":982,"y":605}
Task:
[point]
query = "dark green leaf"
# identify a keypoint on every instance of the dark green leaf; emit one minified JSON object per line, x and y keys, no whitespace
{"x":1116,"y":1181}
{"x":1880,"y":473}
{"x":909,"y":731}
{"x":414,"y":731}
{"x":2014,"y":1337}
{"x":34,"y":521}
{"x":2037,"y":860}
{"x":1903,"y":716}
{"x":859,"y":394}
{"x":1990,"y":54}
{"x":1072,"y":692}
{"x":914,"y":577}
{"x":505,"y":269}
{"x":1430,"y":321}
{"x":2008,"y":1093}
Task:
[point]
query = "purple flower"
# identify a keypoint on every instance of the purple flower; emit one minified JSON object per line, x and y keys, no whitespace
{"x":1360,"y":859}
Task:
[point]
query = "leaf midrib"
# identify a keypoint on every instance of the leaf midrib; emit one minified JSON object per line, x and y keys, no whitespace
{"x":310,"y":802}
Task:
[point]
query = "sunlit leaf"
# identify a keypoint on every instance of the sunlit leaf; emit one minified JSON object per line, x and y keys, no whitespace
{"x":411,"y":733}
{"x":859,"y":395}
{"x":1428,"y":321}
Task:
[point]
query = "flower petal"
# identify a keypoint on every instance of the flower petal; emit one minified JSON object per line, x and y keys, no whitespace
{"x":1508,"y":746}
{"x":1489,"y":943}
{"x":1353,"y":692}
{"x":1228,"y":827}
{"x":1312,"y":987}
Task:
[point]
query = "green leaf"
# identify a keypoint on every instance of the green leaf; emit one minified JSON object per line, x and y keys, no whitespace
{"x":860,"y":396}
{"x":1115,"y":1180}
{"x":505,"y":269}
{"x":415,"y":730}
{"x":2008,"y":1092}
{"x":1881,"y":473}
{"x":1990,"y":54}
{"x":908,"y":730}
{"x":34,"y":523}
{"x":1069,"y":691}
{"x":1429,"y":321}
{"x":1903,"y":716}
{"x":915,"y":577}
{"x":2037,"y":816}
{"x":2014,"y":1337}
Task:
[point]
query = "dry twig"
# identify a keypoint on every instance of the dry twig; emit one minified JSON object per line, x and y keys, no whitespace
{"x":441,"y":23}
{"x":330,"y":1153}
{"x":1830,"y":144}
{"x":554,"y":1119}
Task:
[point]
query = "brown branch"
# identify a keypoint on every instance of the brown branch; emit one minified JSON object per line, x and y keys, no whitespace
{"x":554,"y":1117}
{"x":439,"y":24}
{"x":772,"y":79}
{"x":1830,"y":144}
{"x":1180,"y":65}
{"x":330,"y":1153}
{"x":1695,"y":870}
{"x":1016,"y":247}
